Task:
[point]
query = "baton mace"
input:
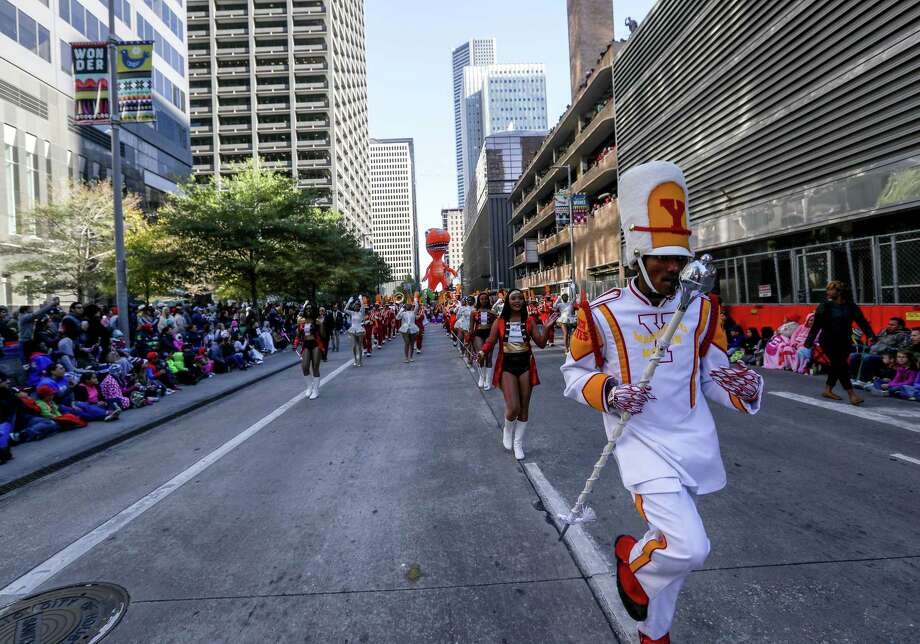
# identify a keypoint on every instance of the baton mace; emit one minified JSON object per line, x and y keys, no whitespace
{"x":697,"y":277}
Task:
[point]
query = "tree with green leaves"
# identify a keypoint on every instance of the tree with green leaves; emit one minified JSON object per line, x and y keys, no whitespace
{"x":238,"y":231}
{"x":67,"y":242}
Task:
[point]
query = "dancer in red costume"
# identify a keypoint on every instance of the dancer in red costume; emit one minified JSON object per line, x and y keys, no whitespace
{"x":515,"y":367}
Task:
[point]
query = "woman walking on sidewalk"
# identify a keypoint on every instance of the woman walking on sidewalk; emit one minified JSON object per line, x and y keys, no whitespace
{"x":309,"y":337}
{"x":834,"y":320}
{"x":355,"y":308}
{"x":481,"y":323}
{"x":408,"y":328}
{"x":515,"y":368}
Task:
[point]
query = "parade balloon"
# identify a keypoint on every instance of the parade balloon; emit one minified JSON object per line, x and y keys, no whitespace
{"x":436,"y":241}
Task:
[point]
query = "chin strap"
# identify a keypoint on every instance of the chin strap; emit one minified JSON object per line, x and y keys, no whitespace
{"x":648,"y":282}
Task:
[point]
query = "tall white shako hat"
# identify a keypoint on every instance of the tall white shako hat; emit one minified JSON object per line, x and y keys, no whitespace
{"x":654,"y":213}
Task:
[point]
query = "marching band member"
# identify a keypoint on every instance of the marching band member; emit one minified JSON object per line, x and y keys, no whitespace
{"x":462,"y":325}
{"x":408,"y":329}
{"x":420,"y":323}
{"x":545,"y":311}
{"x":565,"y":306}
{"x":368,"y":325}
{"x":310,"y":340}
{"x":481,"y":321}
{"x":669,"y":451}
{"x":355,"y":308}
{"x":515,"y":367}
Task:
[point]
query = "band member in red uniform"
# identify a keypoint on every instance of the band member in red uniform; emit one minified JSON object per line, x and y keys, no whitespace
{"x":420,"y":323}
{"x":515,"y":367}
{"x":545,"y":311}
{"x":481,"y":321}
{"x":369,"y":333}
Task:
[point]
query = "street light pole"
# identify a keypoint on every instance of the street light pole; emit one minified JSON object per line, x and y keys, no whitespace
{"x":121,"y":271}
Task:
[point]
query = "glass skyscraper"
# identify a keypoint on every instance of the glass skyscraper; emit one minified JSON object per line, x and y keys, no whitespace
{"x":474,"y":52}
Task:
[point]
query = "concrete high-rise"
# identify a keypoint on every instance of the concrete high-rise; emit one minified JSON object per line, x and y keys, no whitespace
{"x":287,"y":82}
{"x":499,"y":98}
{"x":452,"y":222}
{"x":43,"y":148}
{"x":590,"y":31}
{"x":474,"y":52}
{"x":393,"y":211}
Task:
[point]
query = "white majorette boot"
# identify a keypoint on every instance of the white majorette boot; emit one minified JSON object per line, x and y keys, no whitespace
{"x":310,"y":380}
{"x":487,"y":382}
{"x":481,"y":378}
{"x":519,"y":431}
{"x":314,"y":394}
{"x":508,"y":434}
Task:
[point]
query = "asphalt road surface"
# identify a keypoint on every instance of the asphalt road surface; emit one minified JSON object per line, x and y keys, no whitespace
{"x":387,"y":511}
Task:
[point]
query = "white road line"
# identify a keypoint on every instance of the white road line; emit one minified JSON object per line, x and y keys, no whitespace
{"x":589,"y":558}
{"x":906,"y":459}
{"x":30,"y":581}
{"x":845,"y":408}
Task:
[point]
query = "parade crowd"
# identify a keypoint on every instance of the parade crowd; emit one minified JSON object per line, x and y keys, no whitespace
{"x":884,"y":364}
{"x":65,"y":368}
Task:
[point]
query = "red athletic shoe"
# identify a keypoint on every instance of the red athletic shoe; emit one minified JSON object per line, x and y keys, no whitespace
{"x":645,"y":639}
{"x":631,"y":594}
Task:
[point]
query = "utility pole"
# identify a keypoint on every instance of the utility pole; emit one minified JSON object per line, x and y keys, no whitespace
{"x":121,"y":271}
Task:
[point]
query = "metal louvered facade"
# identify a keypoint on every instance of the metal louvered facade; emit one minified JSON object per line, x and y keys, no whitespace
{"x":792,"y":119}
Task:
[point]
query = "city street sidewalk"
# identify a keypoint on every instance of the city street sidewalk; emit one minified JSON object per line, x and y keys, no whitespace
{"x":814,"y":538}
{"x":37,"y":459}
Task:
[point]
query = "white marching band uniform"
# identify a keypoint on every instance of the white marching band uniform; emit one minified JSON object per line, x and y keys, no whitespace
{"x":407,"y":317}
{"x":566,"y":310}
{"x":669,"y":453}
{"x":357,"y":318}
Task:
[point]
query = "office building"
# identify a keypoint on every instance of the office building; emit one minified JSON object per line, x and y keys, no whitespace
{"x":590,"y":30}
{"x":487,"y":254}
{"x":285,"y":82}
{"x":475,"y":52}
{"x":581,"y":144}
{"x":499,"y":98}
{"x":42,"y":147}
{"x":796,"y":125}
{"x":395,"y":225}
{"x":452,"y":222}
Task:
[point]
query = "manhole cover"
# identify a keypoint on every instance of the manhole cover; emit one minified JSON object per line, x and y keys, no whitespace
{"x":79,"y":614}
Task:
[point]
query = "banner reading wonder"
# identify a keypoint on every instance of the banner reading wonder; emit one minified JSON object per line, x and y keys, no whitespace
{"x":91,"y":83}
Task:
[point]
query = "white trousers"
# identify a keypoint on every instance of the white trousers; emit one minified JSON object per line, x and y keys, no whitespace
{"x":674,"y":545}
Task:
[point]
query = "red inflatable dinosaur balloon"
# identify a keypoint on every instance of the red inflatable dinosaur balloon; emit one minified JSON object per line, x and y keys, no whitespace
{"x":436,"y":241}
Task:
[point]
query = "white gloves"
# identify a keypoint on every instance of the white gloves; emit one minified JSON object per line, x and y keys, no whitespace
{"x":739,"y":380}
{"x":629,"y":398}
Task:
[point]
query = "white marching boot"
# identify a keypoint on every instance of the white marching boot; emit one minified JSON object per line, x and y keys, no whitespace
{"x":310,"y":380}
{"x":487,"y":382}
{"x":519,"y":431}
{"x":508,"y":434}
{"x":482,"y":375}
{"x":314,"y":394}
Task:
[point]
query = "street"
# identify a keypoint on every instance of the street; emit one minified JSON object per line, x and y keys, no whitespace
{"x":387,"y":511}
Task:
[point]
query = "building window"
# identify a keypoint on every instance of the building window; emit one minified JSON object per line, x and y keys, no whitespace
{"x":33,"y":191}
{"x":49,"y":174}
{"x":77,"y":16}
{"x":28,"y":36}
{"x":64,"y":10}
{"x":66,"y":58}
{"x":10,"y":172}
{"x":8,"y":19}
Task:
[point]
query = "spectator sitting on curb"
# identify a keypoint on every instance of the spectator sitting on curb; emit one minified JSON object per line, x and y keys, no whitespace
{"x":863,"y":366}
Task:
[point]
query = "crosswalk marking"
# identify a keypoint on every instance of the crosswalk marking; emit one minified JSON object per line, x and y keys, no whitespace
{"x":851,"y":410}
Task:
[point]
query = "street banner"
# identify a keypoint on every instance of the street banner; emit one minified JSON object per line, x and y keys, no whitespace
{"x":91,"y":83}
{"x":134,"y":64}
{"x":562,"y":208}
{"x":579,"y":209}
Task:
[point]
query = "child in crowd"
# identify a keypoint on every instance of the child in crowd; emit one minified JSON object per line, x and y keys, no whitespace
{"x":49,"y":409}
{"x":902,"y":385}
{"x":87,"y":391}
{"x":885,"y":373}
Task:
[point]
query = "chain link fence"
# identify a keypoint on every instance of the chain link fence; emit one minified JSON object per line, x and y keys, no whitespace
{"x":883,"y":269}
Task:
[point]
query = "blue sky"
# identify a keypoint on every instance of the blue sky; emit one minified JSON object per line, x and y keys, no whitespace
{"x":410,"y":93}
